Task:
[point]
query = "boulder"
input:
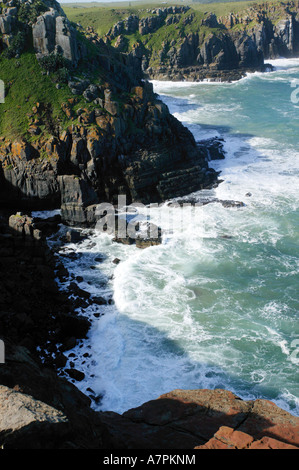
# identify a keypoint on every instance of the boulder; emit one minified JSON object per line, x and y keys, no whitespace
{"x":27,"y":423}
{"x":78,"y":201}
{"x":6,"y":24}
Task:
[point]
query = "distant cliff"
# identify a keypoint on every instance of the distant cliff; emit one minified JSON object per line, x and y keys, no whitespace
{"x":182,"y":43}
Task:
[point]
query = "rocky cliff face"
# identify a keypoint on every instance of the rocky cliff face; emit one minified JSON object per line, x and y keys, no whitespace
{"x":212,"y":47}
{"x":203,"y":419}
{"x":52,"y":32}
{"x":119,"y":138}
{"x":273,"y":27}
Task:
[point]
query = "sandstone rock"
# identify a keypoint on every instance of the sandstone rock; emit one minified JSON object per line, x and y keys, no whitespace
{"x":203,"y":419}
{"x":29,"y":423}
{"x":228,"y":438}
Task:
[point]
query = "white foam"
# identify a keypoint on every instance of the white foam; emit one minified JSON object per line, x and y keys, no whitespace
{"x":46,"y":214}
{"x":283,"y":63}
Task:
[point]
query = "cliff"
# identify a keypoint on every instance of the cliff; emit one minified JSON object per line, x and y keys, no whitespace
{"x":76,"y":106}
{"x":188,"y":43}
{"x":78,"y":125}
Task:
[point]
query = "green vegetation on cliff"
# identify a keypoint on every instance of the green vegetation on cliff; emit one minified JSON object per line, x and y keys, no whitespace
{"x":160,"y":29}
{"x":101,"y":17}
{"x":25,"y":86}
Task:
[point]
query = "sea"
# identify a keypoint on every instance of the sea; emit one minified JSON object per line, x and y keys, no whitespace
{"x":216,"y":304}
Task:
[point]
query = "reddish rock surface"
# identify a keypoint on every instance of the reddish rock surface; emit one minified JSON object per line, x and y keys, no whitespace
{"x":204,"y":419}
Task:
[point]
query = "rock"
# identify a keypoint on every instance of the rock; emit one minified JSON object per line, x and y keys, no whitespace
{"x":52,"y":32}
{"x":73,"y":236}
{"x":210,"y":21}
{"x":195,"y":419}
{"x":228,"y":438}
{"x":47,"y":226}
{"x":99,"y":300}
{"x":213,"y":147}
{"x":38,"y":189}
{"x":41,"y":410}
{"x":75,"y":374}
{"x":27,"y":423}
{"x":75,"y":289}
{"x":77,"y":197}
{"x":91,"y":93}
{"x":6,"y":24}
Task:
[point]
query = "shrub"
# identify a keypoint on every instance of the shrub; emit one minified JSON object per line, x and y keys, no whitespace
{"x":54,"y":62}
{"x":17,"y":45}
{"x":29,"y":12}
{"x":62,"y":75}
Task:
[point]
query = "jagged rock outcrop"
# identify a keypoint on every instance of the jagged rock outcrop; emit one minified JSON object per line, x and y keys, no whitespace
{"x":147,"y":24}
{"x":139,"y":150}
{"x":157,"y":161}
{"x":40,"y":410}
{"x":25,"y":421}
{"x":273,"y":27}
{"x":52,"y":32}
{"x":27,"y":177}
{"x":31,"y":305}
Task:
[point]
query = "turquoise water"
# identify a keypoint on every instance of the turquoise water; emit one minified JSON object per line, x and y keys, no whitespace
{"x":216,"y":305}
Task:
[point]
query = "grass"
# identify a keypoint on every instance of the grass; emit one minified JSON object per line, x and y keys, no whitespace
{"x":26,"y":86}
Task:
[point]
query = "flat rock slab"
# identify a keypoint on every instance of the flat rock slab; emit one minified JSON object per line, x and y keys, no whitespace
{"x":28,"y":423}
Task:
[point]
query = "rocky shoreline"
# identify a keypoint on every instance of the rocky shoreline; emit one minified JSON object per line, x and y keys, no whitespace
{"x":109,"y":137}
{"x":202,"y":74}
{"x":53,"y":414}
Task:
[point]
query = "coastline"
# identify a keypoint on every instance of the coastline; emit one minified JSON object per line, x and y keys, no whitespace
{"x":54,"y":414}
{"x":173,"y":340}
{"x":117,"y":423}
{"x":201,"y":74}
{"x":216,"y":166}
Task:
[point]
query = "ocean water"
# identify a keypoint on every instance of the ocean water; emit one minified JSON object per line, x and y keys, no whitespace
{"x":216,"y":305}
